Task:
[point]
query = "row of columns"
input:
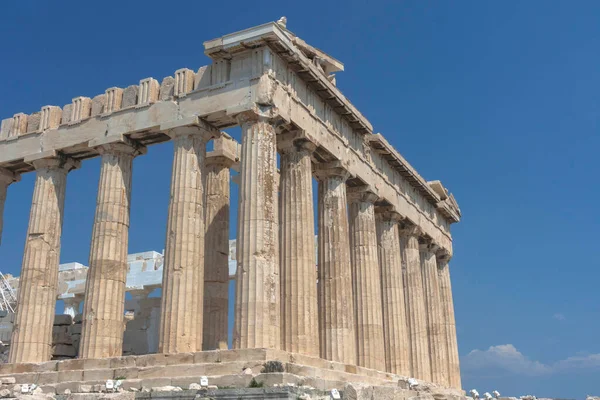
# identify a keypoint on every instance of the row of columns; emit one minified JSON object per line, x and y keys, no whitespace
{"x":379,"y":299}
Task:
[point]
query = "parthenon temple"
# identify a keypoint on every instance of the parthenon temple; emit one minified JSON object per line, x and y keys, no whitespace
{"x":369,"y":298}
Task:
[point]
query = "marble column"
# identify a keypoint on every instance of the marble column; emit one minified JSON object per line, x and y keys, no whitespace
{"x":447,"y":306}
{"x":395,"y":332}
{"x":216,"y":271}
{"x":103,"y":308}
{"x":337,"y":334}
{"x":438,"y":354}
{"x":32,"y":331}
{"x":183,"y":274}
{"x":299,"y":318}
{"x":366,"y":279}
{"x":415,"y":304}
{"x":257,"y":305}
{"x":6,"y":178}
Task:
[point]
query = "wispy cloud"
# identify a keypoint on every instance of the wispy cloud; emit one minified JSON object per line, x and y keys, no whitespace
{"x":559,"y":317}
{"x":507,"y":358}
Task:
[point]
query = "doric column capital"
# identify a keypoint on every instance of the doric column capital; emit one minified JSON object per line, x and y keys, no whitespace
{"x":225,"y":152}
{"x":427,"y":245}
{"x":191,"y":127}
{"x":388,"y":213}
{"x":56,"y":162}
{"x":7,"y":176}
{"x":409,"y":229}
{"x":443,"y":257}
{"x":259,"y":113}
{"x":295,"y":141}
{"x":363,"y":193}
{"x":334,"y":168}
{"x":126,"y":147}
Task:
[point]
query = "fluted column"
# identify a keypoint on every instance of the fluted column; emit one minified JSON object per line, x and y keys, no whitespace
{"x":299,"y":318}
{"x":395,"y":332}
{"x":257,"y":306}
{"x":447,"y":306}
{"x":216,"y":271}
{"x":6,"y":178}
{"x":415,"y":304}
{"x":183,"y":274}
{"x":103,"y":308}
{"x":438,"y":353}
{"x":366,"y":279}
{"x":337,"y":334}
{"x":32,"y":332}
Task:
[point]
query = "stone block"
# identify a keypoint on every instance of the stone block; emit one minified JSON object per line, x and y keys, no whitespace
{"x":186,"y":370}
{"x":127,"y":372}
{"x":19,"y":125}
{"x":96,"y":363}
{"x":130,"y":96}
{"x":75,"y":329}
{"x":97,"y":374}
{"x":202,"y":78}
{"x":70,"y":376}
{"x":48,"y":389}
{"x":69,"y":365}
{"x":98,"y":104}
{"x":122,"y":362}
{"x":129,"y":384}
{"x":23,"y":368}
{"x":5,"y":128}
{"x":66,"y":114}
{"x":207,"y":357}
{"x":180,"y":358}
{"x":243,"y":354}
{"x":155,"y":382}
{"x":8,"y":380}
{"x":64,"y":350}
{"x":45,"y":378}
{"x":149,"y":360}
{"x":149,"y":89}
{"x":62,"y":319}
{"x":166,"y":88}
{"x":184,"y":382}
{"x":78,"y":319}
{"x":48,"y":366}
{"x":51,"y":116}
{"x":231,"y":367}
{"x":114,"y":99}
{"x":324,"y":384}
{"x":310,"y":361}
{"x":231,"y":380}
{"x":351,"y":369}
{"x":60,"y":335}
{"x":279,"y":378}
{"x":82,"y":108}
{"x":302,"y":370}
{"x":67,"y":387}
{"x":33,"y":122}
{"x":184,"y":81}
{"x":157,"y":371}
{"x":28,"y":377}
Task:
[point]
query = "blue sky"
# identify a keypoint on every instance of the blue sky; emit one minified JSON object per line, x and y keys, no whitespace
{"x":499,"y":100}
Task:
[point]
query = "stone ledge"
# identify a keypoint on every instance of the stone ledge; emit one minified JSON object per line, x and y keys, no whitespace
{"x":223,"y":367}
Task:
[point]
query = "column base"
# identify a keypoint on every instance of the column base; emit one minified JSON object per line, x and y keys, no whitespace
{"x":230,"y":368}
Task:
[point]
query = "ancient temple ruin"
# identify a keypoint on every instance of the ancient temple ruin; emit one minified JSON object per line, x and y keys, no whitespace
{"x":378,"y":307}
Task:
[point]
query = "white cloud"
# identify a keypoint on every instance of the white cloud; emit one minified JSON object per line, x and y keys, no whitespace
{"x":559,"y":317}
{"x":507,"y":358}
